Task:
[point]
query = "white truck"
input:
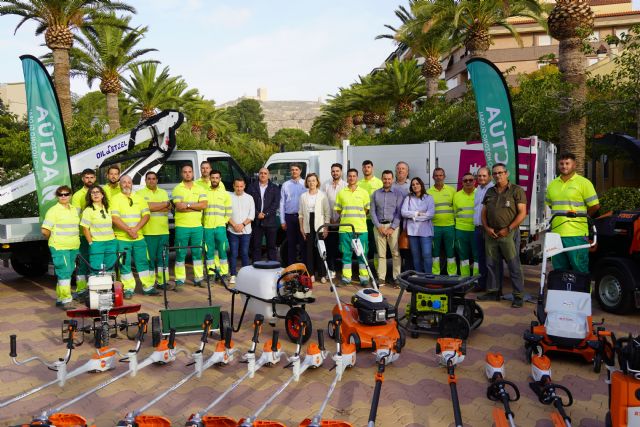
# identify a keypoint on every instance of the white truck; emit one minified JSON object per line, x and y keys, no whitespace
{"x":21,"y":241}
{"x":536,"y":170}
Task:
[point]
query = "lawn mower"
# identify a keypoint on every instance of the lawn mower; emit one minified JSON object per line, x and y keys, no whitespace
{"x":624,"y":383}
{"x":223,"y":354}
{"x":103,"y":360}
{"x":345,"y":357}
{"x":564,"y":322}
{"x":369,"y":321}
{"x":438,"y":305}
{"x":162,"y":355}
{"x":274,"y":292}
{"x":450,"y":352}
{"x":498,"y":390}
{"x":314,"y":358}
{"x":271,"y":355}
{"x":548,"y":392}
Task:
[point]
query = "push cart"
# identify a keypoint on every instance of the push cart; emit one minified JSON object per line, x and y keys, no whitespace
{"x":438,"y":305}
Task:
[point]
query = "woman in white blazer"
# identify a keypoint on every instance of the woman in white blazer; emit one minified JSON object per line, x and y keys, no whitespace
{"x":313,"y":212}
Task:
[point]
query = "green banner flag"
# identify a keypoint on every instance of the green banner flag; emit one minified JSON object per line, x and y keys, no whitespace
{"x":48,"y":143}
{"x":497,"y":125}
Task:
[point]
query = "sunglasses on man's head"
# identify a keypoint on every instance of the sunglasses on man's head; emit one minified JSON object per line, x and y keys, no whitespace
{"x":64,"y":194}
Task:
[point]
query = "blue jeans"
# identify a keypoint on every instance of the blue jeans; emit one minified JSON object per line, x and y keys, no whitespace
{"x":421,"y":248}
{"x":238,"y":241}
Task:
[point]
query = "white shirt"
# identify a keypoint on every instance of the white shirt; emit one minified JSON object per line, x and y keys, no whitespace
{"x":311,"y":202}
{"x":331,"y":189}
{"x":477,"y":202}
{"x":263,"y":188}
{"x":242,"y":208}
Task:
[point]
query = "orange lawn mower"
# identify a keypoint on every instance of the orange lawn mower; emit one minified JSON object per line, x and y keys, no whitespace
{"x":369,"y":322}
{"x":624,"y":383}
{"x":548,"y":392}
{"x":498,"y":390}
{"x":564,"y":322}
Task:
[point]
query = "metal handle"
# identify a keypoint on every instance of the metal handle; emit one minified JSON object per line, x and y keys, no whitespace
{"x":13,"y":343}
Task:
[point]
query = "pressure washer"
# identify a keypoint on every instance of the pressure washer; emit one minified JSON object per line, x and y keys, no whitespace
{"x":314,"y":358}
{"x":548,"y":392}
{"x":345,"y":357}
{"x":223,"y":354}
{"x":270,"y":356}
{"x":449,"y":353}
{"x":498,"y":390}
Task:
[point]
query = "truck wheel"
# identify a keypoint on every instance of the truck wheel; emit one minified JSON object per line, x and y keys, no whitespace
{"x":614,"y":287}
{"x":28,"y":266}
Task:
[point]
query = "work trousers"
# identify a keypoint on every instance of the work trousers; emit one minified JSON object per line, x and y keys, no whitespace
{"x":313,"y":262}
{"x":467,"y":252}
{"x":421,"y":252}
{"x":270,"y":234}
{"x":575,"y":260}
{"x":64,"y":262}
{"x":215,"y":239}
{"x":188,"y":236}
{"x":82,"y":274}
{"x":239,"y":243}
{"x":348,"y":256}
{"x":444,"y":236}
{"x":158,"y":265}
{"x":103,"y":255}
{"x":381,"y":247}
{"x":503,"y":248}
{"x":294,"y":239}
{"x":136,"y":251}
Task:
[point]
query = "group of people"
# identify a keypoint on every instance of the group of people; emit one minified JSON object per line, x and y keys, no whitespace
{"x":473,"y":230}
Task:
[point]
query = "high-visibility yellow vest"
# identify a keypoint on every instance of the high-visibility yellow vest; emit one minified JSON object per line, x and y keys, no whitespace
{"x":371,"y":185}
{"x":443,"y":200}
{"x":206,"y":184}
{"x":463,"y":206}
{"x":130,"y":210}
{"x":79,"y":199}
{"x":194,"y":194}
{"x":63,"y":222}
{"x":218,"y":209}
{"x":352,"y":206}
{"x":576,"y":194}
{"x":158,"y":223}
{"x":111,"y":192}
{"x":98,"y":221}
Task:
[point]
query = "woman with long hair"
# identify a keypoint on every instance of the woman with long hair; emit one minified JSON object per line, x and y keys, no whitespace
{"x":418,"y":209}
{"x":313,"y":212}
{"x":97,"y":227}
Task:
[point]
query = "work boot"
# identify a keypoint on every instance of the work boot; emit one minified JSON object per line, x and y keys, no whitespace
{"x":80,"y":296}
{"x":128,"y":294}
{"x":199,"y":284}
{"x":68,"y":306}
{"x":345,"y":281}
{"x":151,"y":292}
{"x":489,"y":296}
{"x":517,"y":302}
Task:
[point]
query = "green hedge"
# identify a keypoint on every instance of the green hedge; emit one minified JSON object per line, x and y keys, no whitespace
{"x":619,"y":199}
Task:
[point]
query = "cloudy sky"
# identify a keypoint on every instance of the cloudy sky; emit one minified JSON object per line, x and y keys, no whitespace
{"x":298,"y":50}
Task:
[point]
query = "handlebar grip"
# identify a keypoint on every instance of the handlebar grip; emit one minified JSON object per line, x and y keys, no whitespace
{"x":321,"y":339}
{"x":227,"y":337}
{"x":143,"y":320}
{"x":72,"y":327}
{"x":337,"y":327}
{"x":172,"y":339}
{"x":274,"y":340}
{"x":303,"y":328}
{"x":257,"y":323}
{"x":13,"y":343}
{"x":206,"y":327}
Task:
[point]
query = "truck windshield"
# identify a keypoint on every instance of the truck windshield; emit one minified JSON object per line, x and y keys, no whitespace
{"x":280,"y":172}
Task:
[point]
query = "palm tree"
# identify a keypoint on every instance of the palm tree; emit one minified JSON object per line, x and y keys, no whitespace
{"x":218,"y":124}
{"x":147,"y":90}
{"x":400,"y":83}
{"x":470,"y":20}
{"x":104,"y":54}
{"x":57,"y":19}
{"x":570,"y":22}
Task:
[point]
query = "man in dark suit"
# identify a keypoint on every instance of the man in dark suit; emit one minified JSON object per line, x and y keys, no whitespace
{"x":266,"y":196}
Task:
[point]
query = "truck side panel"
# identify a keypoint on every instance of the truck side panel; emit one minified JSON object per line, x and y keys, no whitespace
{"x":386,"y":157}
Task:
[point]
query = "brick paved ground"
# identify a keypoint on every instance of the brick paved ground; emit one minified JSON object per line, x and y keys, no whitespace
{"x":415,"y":392}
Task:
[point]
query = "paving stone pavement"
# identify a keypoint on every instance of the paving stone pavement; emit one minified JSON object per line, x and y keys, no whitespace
{"x":414,"y":393}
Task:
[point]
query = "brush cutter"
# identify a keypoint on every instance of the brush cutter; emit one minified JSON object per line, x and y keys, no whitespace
{"x":498,"y":390}
{"x":314,"y":359}
{"x":450,"y":352}
{"x":624,"y":383}
{"x":271,"y":355}
{"x":344,"y":358}
{"x":223,"y":354}
{"x":548,"y":392}
{"x":381,"y":361}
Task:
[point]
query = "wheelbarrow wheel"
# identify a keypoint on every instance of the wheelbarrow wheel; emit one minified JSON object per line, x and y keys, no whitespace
{"x":292,"y":324}
{"x":224,"y":323}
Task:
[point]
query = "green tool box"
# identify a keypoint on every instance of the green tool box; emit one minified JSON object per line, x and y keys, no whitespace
{"x":188,"y":320}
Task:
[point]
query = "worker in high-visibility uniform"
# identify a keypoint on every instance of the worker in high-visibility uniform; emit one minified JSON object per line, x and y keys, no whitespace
{"x":571,"y":192}
{"x":60,"y":227}
{"x":156,"y":230}
{"x":130,"y":213}
{"x":97,"y":227}
{"x":79,"y":201}
{"x":463,"y":206}
{"x":352,"y":204}
{"x":112,"y":187}
{"x":370,"y":183}
{"x":216,"y":216}
{"x":443,"y":223}
{"x":205,"y":182}
{"x":189,"y":200}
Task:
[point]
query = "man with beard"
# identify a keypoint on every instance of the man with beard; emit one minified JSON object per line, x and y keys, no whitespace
{"x":79,"y":201}
{"x":216,"y":216}
{"x":112,"y":187}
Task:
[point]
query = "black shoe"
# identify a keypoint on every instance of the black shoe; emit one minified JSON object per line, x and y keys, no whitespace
{"x":517,"y":302}
{"x":478,"y":288}
{"x":489,"y":296}
{"x":151,"y":292}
